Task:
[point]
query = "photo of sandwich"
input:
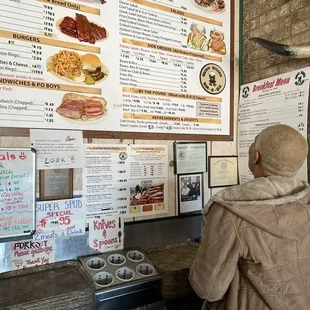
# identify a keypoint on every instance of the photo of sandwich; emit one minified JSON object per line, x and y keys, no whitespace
{"x":78,"y":69}
{"x":216,"y":6}
{"x":197,"y":38}
{"x":216,"y":43}
{"x":82,"y":29}
{"x":80,"y":108}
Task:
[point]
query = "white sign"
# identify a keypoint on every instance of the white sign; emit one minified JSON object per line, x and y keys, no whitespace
{"x":281,"y":99}
{"x":25,"y":254}
{"x":106,"y":233}
{"x":131,"y":66}
{"x":60,"y":218}
{"x":58,"y":149}
{"x":17,"y":192}
{"x":129,"y":179}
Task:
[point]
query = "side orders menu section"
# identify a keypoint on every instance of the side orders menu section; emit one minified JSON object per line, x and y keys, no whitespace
{"x":121,"y":65}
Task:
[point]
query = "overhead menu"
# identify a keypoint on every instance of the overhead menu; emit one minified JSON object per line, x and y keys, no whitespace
{"x":280,"y":99}
{"x":118,"y":65}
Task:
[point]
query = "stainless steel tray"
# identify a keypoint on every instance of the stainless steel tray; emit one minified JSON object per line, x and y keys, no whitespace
{"x":120,"y":268}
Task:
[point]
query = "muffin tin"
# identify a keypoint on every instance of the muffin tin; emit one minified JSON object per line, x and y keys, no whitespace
{"x":118,"y":268}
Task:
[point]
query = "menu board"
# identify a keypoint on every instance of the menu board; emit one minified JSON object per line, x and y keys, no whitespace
{"x":281,"y":99}
{"x":131,"y":180}
{"x":143,"y":66}
{"x":17,"y":193}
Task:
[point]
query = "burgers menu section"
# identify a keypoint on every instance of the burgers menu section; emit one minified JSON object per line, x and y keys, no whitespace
{"x":117,"y":65}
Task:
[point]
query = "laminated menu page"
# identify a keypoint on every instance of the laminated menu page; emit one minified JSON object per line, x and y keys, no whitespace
{"x":131,"y":180}
{"x":281,"y":99}
{"x":117,"y":65}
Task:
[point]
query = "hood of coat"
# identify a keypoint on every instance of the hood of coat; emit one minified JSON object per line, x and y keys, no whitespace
{"x":275,"y":204}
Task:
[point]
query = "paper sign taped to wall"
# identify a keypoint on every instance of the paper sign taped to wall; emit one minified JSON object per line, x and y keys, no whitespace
{"x":58,"y":149}
{"x":60,"y":218}
{"x":106,"y":233}
{"x":28,"y":253}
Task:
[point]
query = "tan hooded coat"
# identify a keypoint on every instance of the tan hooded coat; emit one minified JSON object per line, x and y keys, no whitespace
{"x":255,"y":251}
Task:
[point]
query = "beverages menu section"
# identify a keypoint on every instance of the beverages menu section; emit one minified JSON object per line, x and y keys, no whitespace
{"x":117,"y":65}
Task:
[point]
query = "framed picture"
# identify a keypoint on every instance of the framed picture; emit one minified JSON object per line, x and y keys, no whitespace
{"x":190,"y":157}
{"x":190,"y":193}
{"x":56,"y":184}
{"x":223,"y":171}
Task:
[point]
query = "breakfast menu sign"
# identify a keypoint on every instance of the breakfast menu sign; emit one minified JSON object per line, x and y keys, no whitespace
{"x":116,"y":65}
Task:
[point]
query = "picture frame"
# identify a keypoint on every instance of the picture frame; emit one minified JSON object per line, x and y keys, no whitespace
{"x":190,"y":157}
{"x":223,"y":171}
{"x":55,"y":184}
{"x":190,"y":193}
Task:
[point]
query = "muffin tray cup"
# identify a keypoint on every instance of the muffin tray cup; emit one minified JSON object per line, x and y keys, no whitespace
{"x":118,"y":265}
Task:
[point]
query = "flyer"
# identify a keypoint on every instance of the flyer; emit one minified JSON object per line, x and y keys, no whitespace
{"x":129,"y":179}
{"x":25,"y":254}
{"x":281,"y":99}
{"x":106,"y":233}
{"x":60,"y":218}
{"x":57,"y":149}
{"x":117,"y":65}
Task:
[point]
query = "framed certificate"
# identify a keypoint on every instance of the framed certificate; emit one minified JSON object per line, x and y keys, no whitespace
{"x":190,"y":193}
{"x":223,"y":171}
{"x":56,"y":184}
{"x":190,"y":157}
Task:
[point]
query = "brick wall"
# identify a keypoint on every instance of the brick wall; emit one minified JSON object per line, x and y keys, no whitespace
{"x":283,"y":21}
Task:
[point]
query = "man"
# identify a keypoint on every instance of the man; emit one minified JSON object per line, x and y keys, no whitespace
{"x":255,"y":251}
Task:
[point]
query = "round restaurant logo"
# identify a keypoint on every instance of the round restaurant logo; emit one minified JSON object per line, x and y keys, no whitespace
{"x":212,"y":79}
{"x":300,"y":78}
{"x":245,"y":92}
{"x":123,"y":156}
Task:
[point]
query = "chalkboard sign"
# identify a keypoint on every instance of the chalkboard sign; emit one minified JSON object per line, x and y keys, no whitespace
{"x":17,"y":194}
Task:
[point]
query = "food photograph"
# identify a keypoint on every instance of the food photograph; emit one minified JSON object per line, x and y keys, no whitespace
{"x":80,"y":108}
{"x":197,"y":38}
{"x":82,"y":29}
{"x":217,"y":6}
{"x":216,"y":43}
{"x":78,"y":69}
{"x":147,"y":193}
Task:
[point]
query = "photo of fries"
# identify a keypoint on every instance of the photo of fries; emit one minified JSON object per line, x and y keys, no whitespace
{"x":67,"y":63}
{"x":80,"y":69}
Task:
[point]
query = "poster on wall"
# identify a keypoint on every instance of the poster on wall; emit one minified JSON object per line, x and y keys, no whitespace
{"x":106,"y":233}
{"x":60,"y":218}
{"x":190,"y":193}
{"x":281,"y":99}
{"x":27,"y":253}
{"x":130,"y":179}
{"x":119,"y":65}
{"x":58,"y":149}
{"x":17,"y":193}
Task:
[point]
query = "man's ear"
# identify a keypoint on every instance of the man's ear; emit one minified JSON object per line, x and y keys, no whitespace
{"x":256,"y":157}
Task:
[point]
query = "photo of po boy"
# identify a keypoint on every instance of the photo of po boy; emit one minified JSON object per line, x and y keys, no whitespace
{"x":82,"y":108}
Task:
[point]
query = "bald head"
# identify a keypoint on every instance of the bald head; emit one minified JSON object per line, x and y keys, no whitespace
{"x":279,"y":150}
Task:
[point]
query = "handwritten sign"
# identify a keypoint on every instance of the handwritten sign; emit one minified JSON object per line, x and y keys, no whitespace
{"x":25,"y":254}
{"x":60,"y":218}
{"x":106,"y":233}
{"x":17,"y":193}
{"x":58,"y":149}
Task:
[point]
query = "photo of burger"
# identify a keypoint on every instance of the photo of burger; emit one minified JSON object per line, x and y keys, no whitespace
{"x":78,"y":69}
